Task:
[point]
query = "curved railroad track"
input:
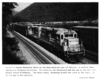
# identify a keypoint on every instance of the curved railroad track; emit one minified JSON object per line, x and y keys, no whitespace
{"x":39,"y":54}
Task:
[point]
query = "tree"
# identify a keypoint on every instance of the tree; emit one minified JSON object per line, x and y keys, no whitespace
{"x":10,"y":45}
{"x":7,"y":13}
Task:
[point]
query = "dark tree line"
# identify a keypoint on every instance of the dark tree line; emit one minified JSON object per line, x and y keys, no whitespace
{"x":7,"y":14}
{"x":9,"y":45}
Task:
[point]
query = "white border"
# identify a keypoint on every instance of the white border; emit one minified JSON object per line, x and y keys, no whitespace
{"x":44,"y":77}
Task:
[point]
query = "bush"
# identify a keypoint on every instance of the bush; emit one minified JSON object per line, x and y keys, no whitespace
{"x":10,"y":47}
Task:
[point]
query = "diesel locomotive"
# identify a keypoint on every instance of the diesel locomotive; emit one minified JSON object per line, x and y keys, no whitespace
{"x":64,"y":40}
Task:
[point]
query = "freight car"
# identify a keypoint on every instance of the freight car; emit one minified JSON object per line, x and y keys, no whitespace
{"x":89,"y":35}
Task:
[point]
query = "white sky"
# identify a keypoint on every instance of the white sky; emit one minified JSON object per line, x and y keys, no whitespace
{"x":21,"y":6}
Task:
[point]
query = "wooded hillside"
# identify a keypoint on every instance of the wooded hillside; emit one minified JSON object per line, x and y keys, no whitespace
{"x":60,"y":12}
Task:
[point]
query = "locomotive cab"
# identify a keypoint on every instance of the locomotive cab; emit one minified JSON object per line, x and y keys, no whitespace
{"x":74,"y":46}
{"x":70,"y":42}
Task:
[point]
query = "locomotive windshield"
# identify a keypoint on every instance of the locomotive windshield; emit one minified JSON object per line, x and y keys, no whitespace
{"x":68,"y":35}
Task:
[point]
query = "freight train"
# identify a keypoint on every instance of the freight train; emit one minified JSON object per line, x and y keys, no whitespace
{"x":64,"y":40}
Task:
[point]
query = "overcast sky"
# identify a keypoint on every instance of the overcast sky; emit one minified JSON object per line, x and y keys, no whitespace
{"x":21,"y":6}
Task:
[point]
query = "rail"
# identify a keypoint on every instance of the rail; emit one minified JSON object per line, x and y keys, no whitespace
{"x":41,"y":55}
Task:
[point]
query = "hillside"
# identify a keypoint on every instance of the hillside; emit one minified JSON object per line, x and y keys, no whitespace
{"x":59,"y":12}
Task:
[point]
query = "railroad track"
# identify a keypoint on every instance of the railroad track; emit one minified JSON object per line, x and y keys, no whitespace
{"x":43,"y":58}
{"x":86,"y":61}
{"x":92,"y":56}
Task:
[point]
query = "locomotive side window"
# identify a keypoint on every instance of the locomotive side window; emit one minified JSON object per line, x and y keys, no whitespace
{"x":75,"y":35}
{"x":36,"y":30}
{"x":43,"y":31}
{"x":58,"y":37}
{"x":61,"y":36}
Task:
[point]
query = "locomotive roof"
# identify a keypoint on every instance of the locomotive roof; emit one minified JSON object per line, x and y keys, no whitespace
{"x":61,"y":31}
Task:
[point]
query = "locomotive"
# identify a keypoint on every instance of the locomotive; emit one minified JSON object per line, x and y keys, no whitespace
{"x":64,"y":40}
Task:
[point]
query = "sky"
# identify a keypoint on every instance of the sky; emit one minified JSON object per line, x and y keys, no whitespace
{"x":21,"y":6}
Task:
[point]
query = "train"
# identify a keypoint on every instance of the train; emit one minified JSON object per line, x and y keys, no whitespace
{"x":61,"y":39}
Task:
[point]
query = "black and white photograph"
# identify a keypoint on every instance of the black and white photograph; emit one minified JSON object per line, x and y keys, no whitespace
{"x":50,"y":33}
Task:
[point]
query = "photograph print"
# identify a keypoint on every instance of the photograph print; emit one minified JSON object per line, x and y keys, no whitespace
{"x":50,"y":33}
